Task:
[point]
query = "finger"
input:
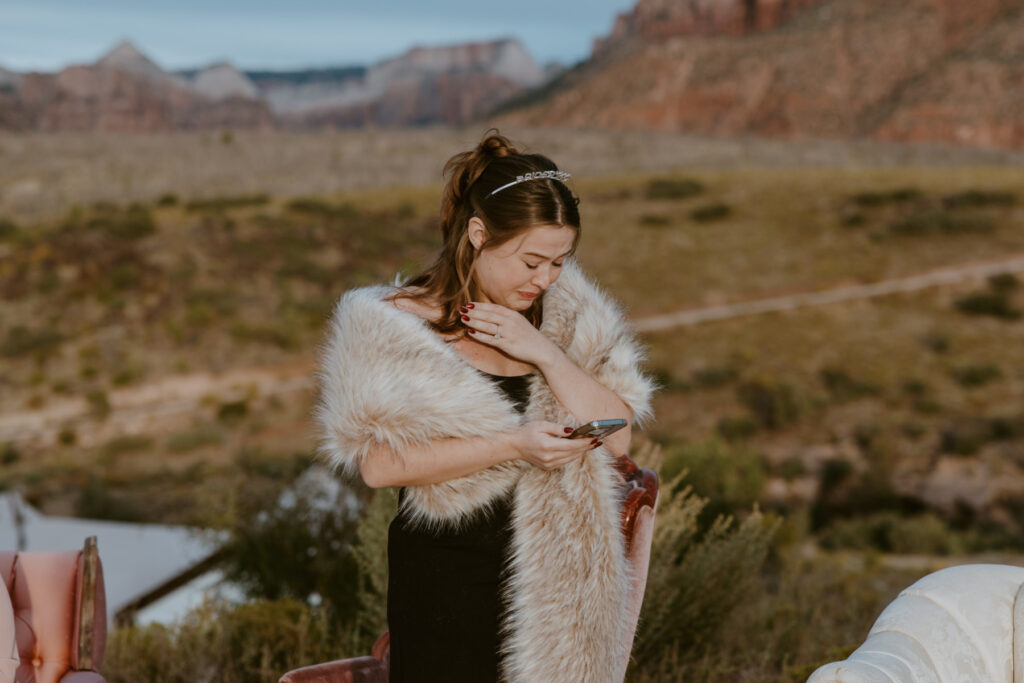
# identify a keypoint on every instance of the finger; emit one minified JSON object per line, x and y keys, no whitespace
{"x":553,"y":428}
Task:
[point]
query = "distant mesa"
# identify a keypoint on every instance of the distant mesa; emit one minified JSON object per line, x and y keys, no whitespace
{"x":222,"y":80}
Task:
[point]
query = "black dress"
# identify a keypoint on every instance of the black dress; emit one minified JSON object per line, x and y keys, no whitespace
{"x":444,"y":598}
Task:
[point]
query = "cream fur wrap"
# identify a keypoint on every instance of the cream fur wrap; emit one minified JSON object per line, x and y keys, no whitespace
{"x":388,"y":378}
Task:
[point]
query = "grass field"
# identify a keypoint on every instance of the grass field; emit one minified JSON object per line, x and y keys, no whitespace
{"x":158,"y":332}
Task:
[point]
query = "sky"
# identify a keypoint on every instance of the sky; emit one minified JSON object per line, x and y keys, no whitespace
{"x":47,"y":35}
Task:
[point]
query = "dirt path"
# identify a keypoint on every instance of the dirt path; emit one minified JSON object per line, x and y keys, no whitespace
{"x":945,"y":276}
{"x":138,"y":409}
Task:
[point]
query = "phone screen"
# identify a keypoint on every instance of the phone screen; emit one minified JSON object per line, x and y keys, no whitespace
{"x":598,"y":429}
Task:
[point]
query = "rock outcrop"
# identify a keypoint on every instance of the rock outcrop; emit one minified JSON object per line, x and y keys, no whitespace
{"x":916,"y":70}
{"x":452,"y":84}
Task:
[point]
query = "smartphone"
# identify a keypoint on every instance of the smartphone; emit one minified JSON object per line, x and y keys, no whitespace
{"x":598,"y":429}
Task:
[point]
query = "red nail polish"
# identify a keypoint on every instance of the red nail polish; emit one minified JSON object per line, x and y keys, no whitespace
{"x":598,"y":444}
{"x":471,"y":331}
{"x":568,"y":430}
{"x":463,"y":309}
{"x":465,"y":317}
{"x":470,"y":306}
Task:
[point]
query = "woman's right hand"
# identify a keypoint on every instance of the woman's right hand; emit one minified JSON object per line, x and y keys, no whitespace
{"x":543,"y":444}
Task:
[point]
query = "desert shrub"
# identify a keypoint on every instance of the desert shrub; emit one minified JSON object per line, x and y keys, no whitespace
{"x":97,"y":501}
{"x":937,"y":222}
{"x":129,"y":443}
{"x":370,"y":553}
{"x":299,"y":546}
{"x":189,"y":439}
{"x":277,"y":334}
{"x":167,"y":199}
{"x":232,"y":411}
{"x":711,"y":212}
{"x":20,"y":341}
{"x":978,"y":198}
{"x":1003,"y":282}
{"x":694,"y":584}
{"x":734,"y":428}
{"x":131,"y":223}
{"x":966,"y":435}
{"x":9,"y":454}
{"x":842,"y":387}
{"x":714,"y":375}
{"x":729,"y":476}
{"x":8,"y":229}
{"x":672,"y":188}
{"x":936,"y":342}
{"x":792,"y":468}
{"x":254,"y":642}
{"x":995,"y":304}
{"x":774,"y":403}
{"x":853,"y":220}
{"x":923,"y":534}
{"x":976,"y":375}
{"x":99,"y":404}
{"x":654,"y":220}
{"x":319,"y":207}
{"x":225,"y":203}
{"x":883,"y":197}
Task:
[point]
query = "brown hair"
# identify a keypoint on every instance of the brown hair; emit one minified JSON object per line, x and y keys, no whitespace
{"x":471,"y":178}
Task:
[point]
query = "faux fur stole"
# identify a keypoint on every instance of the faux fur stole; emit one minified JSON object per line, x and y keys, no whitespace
{"x":387,"y":378}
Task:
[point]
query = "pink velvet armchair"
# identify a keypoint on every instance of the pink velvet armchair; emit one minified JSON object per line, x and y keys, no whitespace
{"x":637,"y":517}
{"x":54,"y":606}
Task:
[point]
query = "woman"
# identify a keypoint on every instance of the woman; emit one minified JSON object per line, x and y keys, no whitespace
{"x":506,"y":560}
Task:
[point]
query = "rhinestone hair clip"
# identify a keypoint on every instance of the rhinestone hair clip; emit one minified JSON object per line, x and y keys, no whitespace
{"x":534,"y":175}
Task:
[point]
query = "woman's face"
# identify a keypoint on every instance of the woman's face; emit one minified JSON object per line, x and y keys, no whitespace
{"x":516,"y":272}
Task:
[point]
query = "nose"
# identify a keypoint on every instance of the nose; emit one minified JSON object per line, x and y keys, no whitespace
{"x":543,"y":279}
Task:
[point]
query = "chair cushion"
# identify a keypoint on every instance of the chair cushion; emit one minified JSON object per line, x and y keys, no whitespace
{"x":8,"y":642}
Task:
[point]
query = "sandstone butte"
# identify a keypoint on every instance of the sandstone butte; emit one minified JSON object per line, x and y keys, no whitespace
{"x":913,"y":70}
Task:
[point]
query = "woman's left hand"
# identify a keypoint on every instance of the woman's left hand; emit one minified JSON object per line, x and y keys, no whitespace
{"x":508,"y":331}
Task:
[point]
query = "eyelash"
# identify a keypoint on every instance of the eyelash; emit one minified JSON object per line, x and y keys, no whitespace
{"x":556,"y":265}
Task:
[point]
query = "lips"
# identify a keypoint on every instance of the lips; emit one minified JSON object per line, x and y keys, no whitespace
{"x":527,"y":295}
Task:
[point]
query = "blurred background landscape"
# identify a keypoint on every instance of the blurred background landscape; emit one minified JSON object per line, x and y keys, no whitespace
{"x":172,"y":239}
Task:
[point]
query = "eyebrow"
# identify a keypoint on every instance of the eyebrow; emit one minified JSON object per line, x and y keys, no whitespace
{"x":533,"y":253}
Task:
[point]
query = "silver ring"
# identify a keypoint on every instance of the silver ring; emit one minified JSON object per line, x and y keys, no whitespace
{"x":497,"y":333}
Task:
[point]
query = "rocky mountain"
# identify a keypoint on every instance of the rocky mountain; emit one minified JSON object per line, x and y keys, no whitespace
{"x":125,"y":91}
{"x":915,"y":70}
{"x":451,"y":84}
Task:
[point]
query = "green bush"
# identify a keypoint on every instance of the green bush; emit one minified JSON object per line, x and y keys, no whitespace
{"x":842,"y":387}
{"x":189,"y":439}
{"x":1003,"y":282}
{"x":936,"y":222}
{"x":923,"y":534}
{"x":711,"y":212}
{"x":655,"y":220}
{"x":670,"y":188}
{"x":132,"y":223}
{"x":883,"y":197}
{"x":774,"y":403}
{"x":729,"y":476}
{"x":225,"y":203}
{"x":714,"y":376}
{"x":255,"y":642}
{"x":735,"y":428}
{"x":995,"y":304}
{"x":20,"y":341}
{"x":8,"y":229}
{"x":976,"y":375}
{"x":695,"y":584}
{"x":979,"y":198}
